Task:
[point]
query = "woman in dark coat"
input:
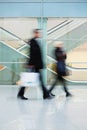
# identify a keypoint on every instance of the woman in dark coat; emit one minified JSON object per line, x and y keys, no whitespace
{"x":60,"y":56}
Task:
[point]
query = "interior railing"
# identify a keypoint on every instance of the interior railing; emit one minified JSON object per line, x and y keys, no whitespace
{"x":13,"y":41}
{"x":59,"y":26}
{"x":78,"y":74}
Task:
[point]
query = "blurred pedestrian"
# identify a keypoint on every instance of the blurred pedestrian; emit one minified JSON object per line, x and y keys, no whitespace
{"x":35,"y":62}
{"x":60,"y":56}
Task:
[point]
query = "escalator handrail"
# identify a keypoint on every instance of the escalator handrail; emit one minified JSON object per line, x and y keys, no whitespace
{"x":14,"y":49}
{"x":69,"y":67}
{"x":55,"y":39}
{"x":4,"y":67}
{"x":59,"y":27}
{"x":73,"y":81}
{"x":56,"y":26}
{"x":12,"y":34}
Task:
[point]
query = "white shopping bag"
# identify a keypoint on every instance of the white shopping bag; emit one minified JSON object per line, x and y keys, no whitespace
{"x":28,"y":79}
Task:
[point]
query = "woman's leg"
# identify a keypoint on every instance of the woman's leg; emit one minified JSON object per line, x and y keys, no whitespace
{"x":53,"y":85}
{"x":64,"y":86}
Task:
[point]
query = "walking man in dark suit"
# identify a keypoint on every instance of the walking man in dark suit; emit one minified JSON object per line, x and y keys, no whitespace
{"x":35,"y":62}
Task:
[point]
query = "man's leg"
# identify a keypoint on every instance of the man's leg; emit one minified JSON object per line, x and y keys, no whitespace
{"x":53,"y":85}
{"x":45,"y":91}
{"x":21,"y":93}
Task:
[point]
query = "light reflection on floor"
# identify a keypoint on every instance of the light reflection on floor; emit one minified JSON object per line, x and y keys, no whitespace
{"x":56,"y":114}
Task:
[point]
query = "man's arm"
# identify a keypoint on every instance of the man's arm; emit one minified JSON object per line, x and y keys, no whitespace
{"x":32,"y":57}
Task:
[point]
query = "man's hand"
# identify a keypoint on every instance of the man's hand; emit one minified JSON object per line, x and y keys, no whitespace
{"x":31,"y":66}
{"x":28,"y":66}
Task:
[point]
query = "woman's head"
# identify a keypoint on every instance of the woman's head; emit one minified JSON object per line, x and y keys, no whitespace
{"x":59,"y":44}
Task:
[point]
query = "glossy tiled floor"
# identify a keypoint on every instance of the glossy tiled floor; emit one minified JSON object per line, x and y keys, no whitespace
{"x":56,"y":114}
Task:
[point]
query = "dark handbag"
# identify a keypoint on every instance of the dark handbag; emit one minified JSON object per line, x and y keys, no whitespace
{"x":61,"y":68}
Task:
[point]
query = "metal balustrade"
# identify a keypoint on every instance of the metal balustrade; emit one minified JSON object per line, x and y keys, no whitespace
{"x":13,"y":41}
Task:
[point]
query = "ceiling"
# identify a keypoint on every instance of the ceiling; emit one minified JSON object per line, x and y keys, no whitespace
{"x":71,"y":1}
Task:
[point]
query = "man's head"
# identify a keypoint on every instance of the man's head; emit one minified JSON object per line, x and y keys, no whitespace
{"x":37,"y":33}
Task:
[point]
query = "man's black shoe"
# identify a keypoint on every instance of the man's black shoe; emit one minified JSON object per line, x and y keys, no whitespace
{"x":48,"y":97}
{"x":68,"y":95}
{"x":52,"y":94}
{"x":22,"y":97}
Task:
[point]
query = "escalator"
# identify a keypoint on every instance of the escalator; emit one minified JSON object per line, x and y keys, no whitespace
{"x":76,"y":75}
{"x":59,"y":25}
{"x":65,"y":28}
{"x":71,"y":39}
{"x":2,"y":67}
{"x":14,"y":42}
{"x":11,"y":58}
{"x":8,"y":76}
{"x":13,"y":51}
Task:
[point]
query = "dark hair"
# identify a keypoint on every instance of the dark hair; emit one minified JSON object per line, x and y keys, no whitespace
{"x":36,"y":30}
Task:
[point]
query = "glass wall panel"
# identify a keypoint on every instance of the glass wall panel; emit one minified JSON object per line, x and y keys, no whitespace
{"x":14,"y":34}
{"x":73,"y":33}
